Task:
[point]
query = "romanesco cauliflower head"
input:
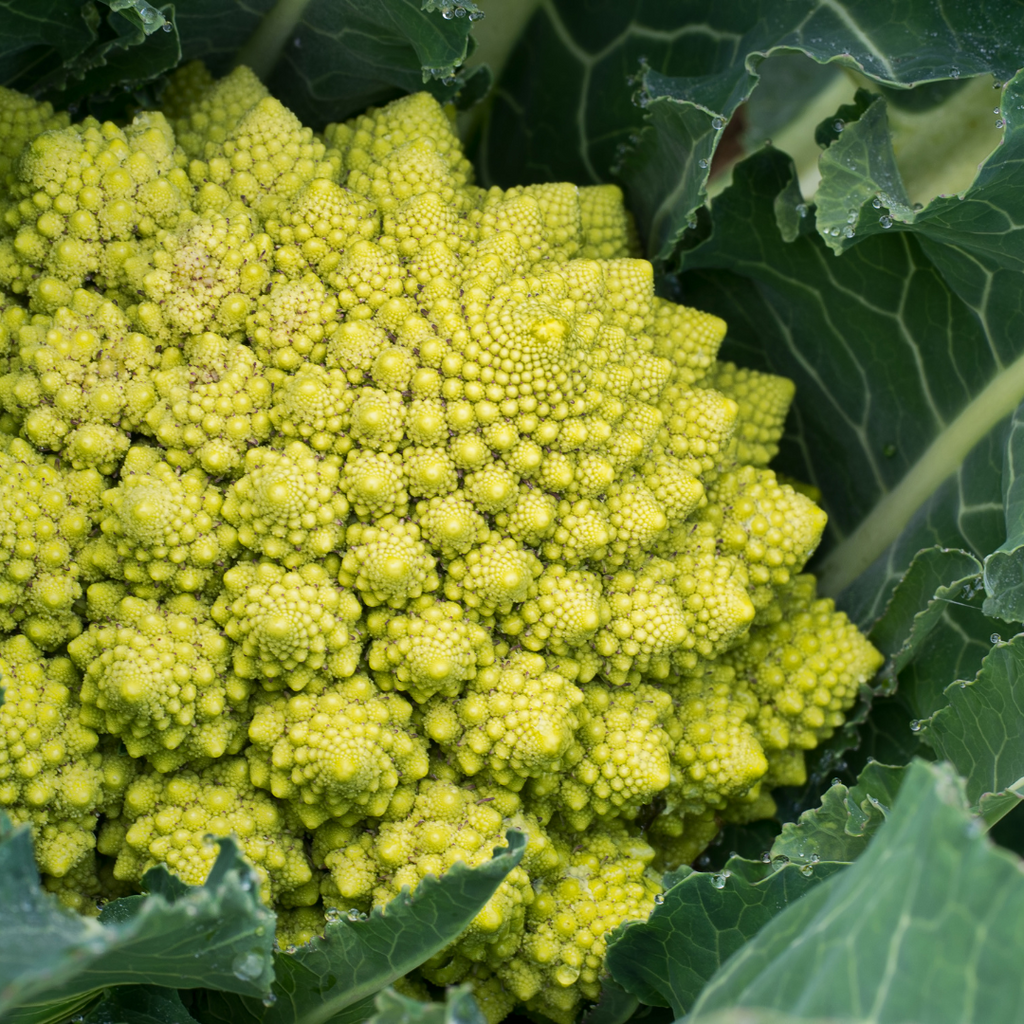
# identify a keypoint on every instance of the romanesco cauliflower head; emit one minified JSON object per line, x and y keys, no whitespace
{"x":380,"y":514}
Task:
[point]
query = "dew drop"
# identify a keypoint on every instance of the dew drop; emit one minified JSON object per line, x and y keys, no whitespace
{"x":838,"y":125}
{"x":885,"y":220}
{"x":333,"y":915}
{"x":717,"y":123}
{"x":806,"y":870}
{"x":801,"y":208}
{"x":954,"y":72}
{"x":166,"y":27}
{"x":995,"y":638}
{"x":702,"y":163}
{"x":849,"y":232}
{"x":963,"y":684}
{"x":837,"y":781}
{"x":915,"y":726}
{"x":718,"y":881}
{"x":475,"y":15}
{"x":876,"y":203}
{"x":814,"y":858}
{"x":460,"y":12}
{"x":659,"y":899}
{"x":447,"y":14}
{"x":995,"y":110}
{"x":247,"y":966}
{"x":269,"y":999}
{"x":834,"y":232}
{"x":766,"y":857}
{"x":918,"y":206}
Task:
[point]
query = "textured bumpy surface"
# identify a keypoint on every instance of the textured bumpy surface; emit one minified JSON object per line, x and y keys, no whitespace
{"x":365,"y":514}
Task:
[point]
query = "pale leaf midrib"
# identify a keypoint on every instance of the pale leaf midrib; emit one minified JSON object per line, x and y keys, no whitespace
{"x":939,"y":461}
{"x":263,"y":48}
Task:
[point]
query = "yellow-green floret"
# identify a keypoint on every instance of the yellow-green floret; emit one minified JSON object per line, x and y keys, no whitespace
{"x":54,"y":774}
{"x":157,"y":676}
{"x":341,"y":753}
{"x":42,"y":530}
{"x":381,"y":513}
{"x":173,"y":819}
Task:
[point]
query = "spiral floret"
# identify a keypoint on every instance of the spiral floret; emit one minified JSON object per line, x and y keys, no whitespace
{"x":41,"y":533}
{"x":288,"y":626}
{"x":53,"y":773}
{"x":287,"y":505}
{"x":430,"y":648}
{"x":346,"y":752}
{"x":517,"y":719}
{"x":158,"y":676}
{"x":163,"y":529}
{"x":173,"y":820}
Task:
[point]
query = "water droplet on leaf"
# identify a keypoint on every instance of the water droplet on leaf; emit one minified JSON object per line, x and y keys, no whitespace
{"x":247,"y":966}
{"x":885,"y":220}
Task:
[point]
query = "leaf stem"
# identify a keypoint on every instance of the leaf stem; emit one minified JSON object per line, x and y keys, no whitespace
{"x":262,"y":50}
{"x":942,"y":458}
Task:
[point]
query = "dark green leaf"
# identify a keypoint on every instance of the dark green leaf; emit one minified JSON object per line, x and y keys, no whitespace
{"x":936,"y":577}
{"x":615,"y":1006}
{"x":341,"y":56}
{"x":215,"y":32}
{"x":750,"y":1015}
{"x":139,"y":1004}
{"x":703,"y":920}
{"x":840,"y":829}
{"x":66,"y":51}
{"x":218,"y":935}
{"x":858,"y":170}
{"x":886,"y":736}
{"x":40,"y":37}
{"x":1004,"y":568}
{"x":139,"y":50}
{"x":885,"y":413}
{"x":1009,"y":830}
{"x":565,"y":111}
{"x":924,"y":926}
{"x":459,"y":1007}
{"x":789,"y":82}
{"x":706,"y":917}
{"x":321,"y":982}
{"x":981,"y":731}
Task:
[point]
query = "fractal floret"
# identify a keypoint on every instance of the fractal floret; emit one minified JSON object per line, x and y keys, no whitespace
{"x":366,"y":514}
